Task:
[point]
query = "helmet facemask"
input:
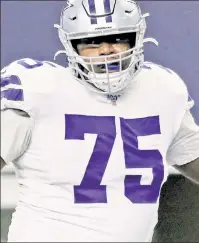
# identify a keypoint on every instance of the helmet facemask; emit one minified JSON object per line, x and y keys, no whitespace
{"x":105,"y":71}
{"x":115,"y":62}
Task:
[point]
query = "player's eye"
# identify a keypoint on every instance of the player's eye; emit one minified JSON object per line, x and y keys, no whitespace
{"x":91,"y":41}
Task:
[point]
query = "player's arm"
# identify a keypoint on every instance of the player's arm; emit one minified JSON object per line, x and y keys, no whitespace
{"x":183,"y":153}
{"x":16,"y":130}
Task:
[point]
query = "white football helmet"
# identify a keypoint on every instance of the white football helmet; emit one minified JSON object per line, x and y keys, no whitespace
{"x":93,"y":21}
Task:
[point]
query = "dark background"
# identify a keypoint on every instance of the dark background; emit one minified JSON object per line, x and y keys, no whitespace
{"x":27,"y":31}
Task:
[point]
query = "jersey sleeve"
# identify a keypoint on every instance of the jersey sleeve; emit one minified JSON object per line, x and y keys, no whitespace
{"x":16,"y":130}
{"x":21,"y":86}
{"x":184,"y":147}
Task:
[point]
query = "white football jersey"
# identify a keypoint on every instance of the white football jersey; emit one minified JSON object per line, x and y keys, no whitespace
{"x":95,"y":164}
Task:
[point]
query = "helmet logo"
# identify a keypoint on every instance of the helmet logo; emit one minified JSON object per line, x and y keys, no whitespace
{"x":100,"y":8}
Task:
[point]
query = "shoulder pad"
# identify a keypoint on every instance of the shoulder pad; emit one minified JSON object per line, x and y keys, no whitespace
{"x":19,"y":76}
{"x":171,"y":80}
{"x":26,"y":64}
{"x":151,"y":65}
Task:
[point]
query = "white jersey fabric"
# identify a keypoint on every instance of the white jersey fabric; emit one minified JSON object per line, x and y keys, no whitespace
{"x":89,"y":169}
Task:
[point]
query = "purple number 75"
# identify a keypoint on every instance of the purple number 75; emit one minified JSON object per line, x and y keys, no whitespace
{"x":90,"y":189}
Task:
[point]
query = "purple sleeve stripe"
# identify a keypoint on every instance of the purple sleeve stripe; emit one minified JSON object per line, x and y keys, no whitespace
{"x":12,"y":94}
{"x":10,"y":80}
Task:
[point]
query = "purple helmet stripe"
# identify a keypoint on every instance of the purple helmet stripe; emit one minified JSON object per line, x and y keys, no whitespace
{"x":107,"y":8}
{"x":92,"y":9}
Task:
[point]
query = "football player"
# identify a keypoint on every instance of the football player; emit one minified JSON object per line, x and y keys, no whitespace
{"x":91,"y":143}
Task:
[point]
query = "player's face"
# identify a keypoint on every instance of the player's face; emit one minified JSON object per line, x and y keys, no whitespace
{"x":95,"y":47}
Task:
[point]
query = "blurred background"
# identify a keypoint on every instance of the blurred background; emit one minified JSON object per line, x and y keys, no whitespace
{"x":27,"y":31}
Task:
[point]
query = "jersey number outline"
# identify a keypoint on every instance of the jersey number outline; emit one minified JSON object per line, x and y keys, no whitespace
{"x":90,"y":189}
